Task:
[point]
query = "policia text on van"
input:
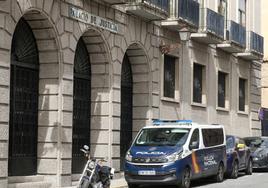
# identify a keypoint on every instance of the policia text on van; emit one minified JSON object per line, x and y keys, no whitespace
{"x":174,"y":153}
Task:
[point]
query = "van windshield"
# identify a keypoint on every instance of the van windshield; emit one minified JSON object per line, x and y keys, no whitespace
{"x":162,"y":137}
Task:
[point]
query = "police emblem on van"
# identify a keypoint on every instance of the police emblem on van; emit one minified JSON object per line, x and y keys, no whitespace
{"x":209,"y":160}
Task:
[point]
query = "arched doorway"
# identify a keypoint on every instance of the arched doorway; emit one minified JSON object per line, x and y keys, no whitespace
{"x":135,"y":96}
{"x":24,"y":81}
{"x":81,"y":106}
{"x":126,"y":109}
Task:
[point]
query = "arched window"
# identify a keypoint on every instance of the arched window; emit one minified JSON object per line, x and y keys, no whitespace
{"x":81,"y":106}
{"x":24,"y":81}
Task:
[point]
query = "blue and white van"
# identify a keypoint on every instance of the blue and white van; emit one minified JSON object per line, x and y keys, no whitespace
{"x":176,"y":152}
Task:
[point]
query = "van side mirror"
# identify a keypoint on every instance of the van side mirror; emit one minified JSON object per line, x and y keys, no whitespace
{"x":194,"y":145}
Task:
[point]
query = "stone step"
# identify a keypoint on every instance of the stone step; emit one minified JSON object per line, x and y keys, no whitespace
{"x":25,"y":179}
{"x":30,"y":185}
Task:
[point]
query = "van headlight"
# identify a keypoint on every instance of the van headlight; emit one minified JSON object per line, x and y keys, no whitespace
{"x":128,"y":157}
{"x":174,"y":157}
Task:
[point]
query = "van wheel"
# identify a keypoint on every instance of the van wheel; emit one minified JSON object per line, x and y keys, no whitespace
{"x":220,"y":173}
{"x":249,"y":168}
{"x":186,"y":178}
{"x":234,"y":173}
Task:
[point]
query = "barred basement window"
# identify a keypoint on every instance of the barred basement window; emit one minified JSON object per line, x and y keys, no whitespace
{"x":242,"y":94}
{"x":222,"y":89}
{"x":198,"y":83}
{"x":169,"y":76}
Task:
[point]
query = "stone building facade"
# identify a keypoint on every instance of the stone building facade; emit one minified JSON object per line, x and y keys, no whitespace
{"x":119,"y":44}
{"x":264,"y":83}
{"x":264,"y":29}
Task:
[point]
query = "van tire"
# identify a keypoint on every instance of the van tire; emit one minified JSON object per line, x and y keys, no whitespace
{"x":234,"y":173}
{"x":220,"y":173}
{"x":249,"y":168}
{"x":186,"y":178}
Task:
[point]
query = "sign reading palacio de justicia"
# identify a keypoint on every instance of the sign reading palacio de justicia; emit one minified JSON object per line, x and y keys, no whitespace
{"x":86,"y":17}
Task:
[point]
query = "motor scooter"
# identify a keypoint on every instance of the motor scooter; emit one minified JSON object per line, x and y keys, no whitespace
{"x":95,"y":175}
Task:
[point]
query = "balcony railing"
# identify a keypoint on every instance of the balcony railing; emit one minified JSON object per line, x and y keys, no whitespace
{"x":149,"y":9}
{"x":162,"y":5}
{"x":236,"y":33}
{"x":255,"y":42}
{"x":187,"y":10}
{"x":212,"y":22}
{"x":115,"y":1}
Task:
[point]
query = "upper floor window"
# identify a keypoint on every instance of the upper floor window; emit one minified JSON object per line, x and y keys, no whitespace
{"x":199,"y":84}
{"x":242,"y":12}
{"x":222,"y":90}
{"x":242,"y":94}
{"x":169,"y":76}
{"x":222,"y":7}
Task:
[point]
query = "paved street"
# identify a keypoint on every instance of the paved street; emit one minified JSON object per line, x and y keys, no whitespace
{"x":257,"y":180}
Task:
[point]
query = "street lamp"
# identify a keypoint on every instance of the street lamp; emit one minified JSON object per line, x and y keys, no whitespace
{"x":184,"y":34}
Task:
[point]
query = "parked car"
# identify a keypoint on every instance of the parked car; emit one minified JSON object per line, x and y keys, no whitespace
{"x":259,"y":150}
{"x":238,"y":157}
{"x":176,"y":152}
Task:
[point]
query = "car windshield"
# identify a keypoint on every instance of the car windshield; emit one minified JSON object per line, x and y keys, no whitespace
{"x":257,"y":142}
{"x":162,"y":137}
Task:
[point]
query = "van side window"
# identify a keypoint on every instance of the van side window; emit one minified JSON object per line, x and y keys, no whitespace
{"x":195,"y":139}
{"x":212,"y":137}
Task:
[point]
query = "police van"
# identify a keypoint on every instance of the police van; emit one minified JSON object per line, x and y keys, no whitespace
{"x":176,"y":152}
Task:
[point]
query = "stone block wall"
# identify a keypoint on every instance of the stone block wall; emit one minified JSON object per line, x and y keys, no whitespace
{"x":5,"y":45}
{"x":57,"y":35}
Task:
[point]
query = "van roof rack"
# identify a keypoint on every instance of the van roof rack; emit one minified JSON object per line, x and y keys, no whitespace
{"x":175,"y":122}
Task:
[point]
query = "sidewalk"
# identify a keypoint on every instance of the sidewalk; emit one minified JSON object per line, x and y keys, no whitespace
{"x":115,"y":183}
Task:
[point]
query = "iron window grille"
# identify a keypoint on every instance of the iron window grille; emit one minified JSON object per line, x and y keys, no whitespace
{"x":169,"y":76}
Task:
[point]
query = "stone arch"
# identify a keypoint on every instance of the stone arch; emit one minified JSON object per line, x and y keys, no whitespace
{"x":48,"y":91}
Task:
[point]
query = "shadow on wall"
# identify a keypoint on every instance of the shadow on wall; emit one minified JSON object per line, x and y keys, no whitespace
{"x":47,"y":129}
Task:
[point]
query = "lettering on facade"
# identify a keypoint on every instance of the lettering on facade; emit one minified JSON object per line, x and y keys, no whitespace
{"x":85,"y":17}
